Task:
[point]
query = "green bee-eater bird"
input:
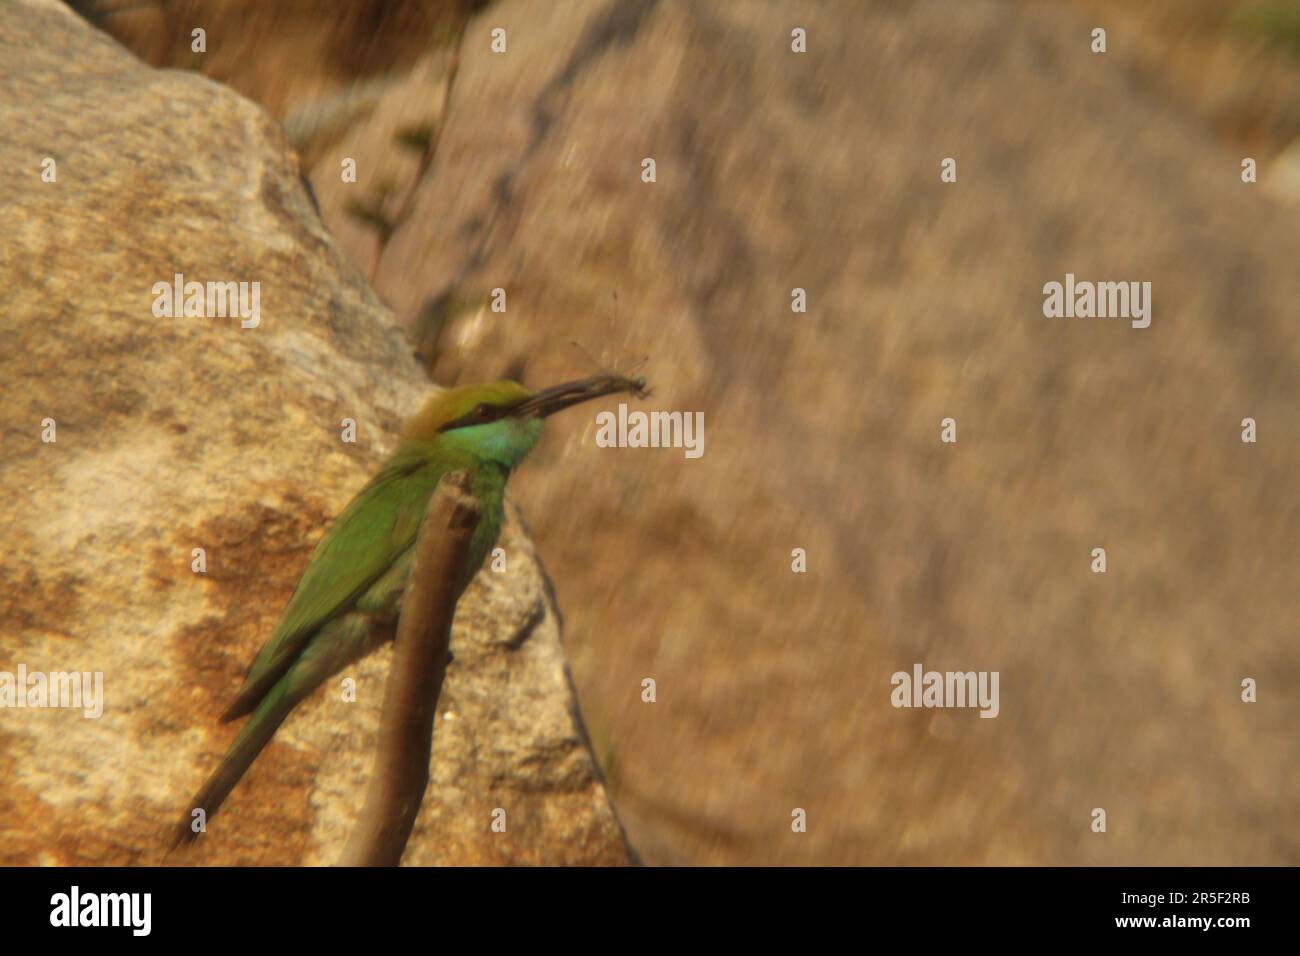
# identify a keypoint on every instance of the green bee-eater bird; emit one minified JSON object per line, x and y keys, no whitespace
{"x":349,"y":597}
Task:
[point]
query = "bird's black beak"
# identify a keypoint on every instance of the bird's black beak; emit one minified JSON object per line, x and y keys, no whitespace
{"x":558,"y":397}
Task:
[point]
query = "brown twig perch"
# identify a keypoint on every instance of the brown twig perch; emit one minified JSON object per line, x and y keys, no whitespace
{"x":415,"y":678}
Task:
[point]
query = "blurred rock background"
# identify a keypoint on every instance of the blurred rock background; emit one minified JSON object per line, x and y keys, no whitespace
{"x":821,"y":171}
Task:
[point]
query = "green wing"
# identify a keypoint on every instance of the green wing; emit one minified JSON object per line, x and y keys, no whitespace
{"x":376,"y":527}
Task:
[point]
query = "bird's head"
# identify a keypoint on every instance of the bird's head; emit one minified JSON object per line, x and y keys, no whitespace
{"x":502,"y":421}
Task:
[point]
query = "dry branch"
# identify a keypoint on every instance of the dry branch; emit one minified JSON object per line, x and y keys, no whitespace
{"x":401,"y":771}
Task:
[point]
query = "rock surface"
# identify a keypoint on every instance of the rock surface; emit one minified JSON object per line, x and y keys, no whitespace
{"x":182,"y":433}
{"x":778,"y":171}
{"x":1118,"y":691}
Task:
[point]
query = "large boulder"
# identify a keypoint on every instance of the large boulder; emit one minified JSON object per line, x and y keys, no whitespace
{"x":821,"y":171}
{"x":777,"y":170}
{"x":182,"y":433}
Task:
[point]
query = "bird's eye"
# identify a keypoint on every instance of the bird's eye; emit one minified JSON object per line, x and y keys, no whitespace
{"x":484,"y":413}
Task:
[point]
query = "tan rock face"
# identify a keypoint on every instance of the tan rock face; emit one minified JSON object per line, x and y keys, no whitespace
{"x":776,"y":171}
{"x":1119,"y":691}
{"x":278,"y":52}
{"x":173,"y":434}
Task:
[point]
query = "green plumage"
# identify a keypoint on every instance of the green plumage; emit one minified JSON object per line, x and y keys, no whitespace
{"x":349,"y":597}
{"x":347,"y":601}
{"x":352,"y":567}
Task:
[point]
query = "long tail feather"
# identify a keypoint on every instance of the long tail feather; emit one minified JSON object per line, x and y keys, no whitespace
{"x":266,"y":720}
{"x":341,"y":642}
